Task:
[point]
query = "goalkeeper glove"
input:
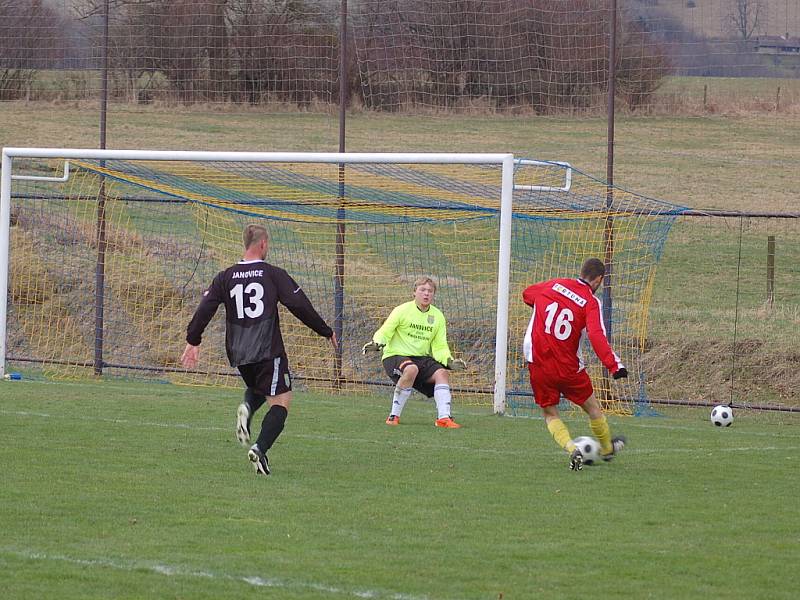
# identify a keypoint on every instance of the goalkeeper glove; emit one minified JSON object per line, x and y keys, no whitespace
{"x":456,"y":364}
{"x":372,"y":347}
{"x":620,"y":373}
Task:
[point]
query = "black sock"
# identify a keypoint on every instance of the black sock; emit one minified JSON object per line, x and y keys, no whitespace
{"x":254,"y":400}
{"x":271,"y":427}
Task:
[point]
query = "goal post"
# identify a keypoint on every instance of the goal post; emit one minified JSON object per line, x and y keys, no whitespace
{"x":5,"y":242}
{"x":228,"y":187}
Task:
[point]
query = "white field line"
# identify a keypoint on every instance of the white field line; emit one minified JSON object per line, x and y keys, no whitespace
{"x":413,"y":444}
{"x":179,"y":571}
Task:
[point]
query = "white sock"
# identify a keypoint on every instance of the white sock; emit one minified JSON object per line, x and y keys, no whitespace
{"x":399,"y":400}
{"x":441,"y":393}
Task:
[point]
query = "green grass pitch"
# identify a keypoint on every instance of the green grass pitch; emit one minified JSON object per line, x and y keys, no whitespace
{"x":133,"y":490}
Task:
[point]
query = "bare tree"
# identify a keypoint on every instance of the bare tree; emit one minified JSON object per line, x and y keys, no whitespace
{"x":551,"y":55}
{"x":30,"y":39}
{"x":642,"y":63}
{"x":745,"y":17}
{"x":284,"y":50}
{"x":185,"y":40}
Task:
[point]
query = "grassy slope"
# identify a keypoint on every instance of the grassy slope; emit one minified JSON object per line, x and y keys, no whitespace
{"x":130,"y":490}
{"x":736,"y":162}
{"x":741,"y":162}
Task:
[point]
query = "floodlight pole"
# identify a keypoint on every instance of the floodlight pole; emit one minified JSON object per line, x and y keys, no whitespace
{"x":100,"y":265}
{"x":609,"y":224}
{"x":338,"y":281}
{"x":608,"y":230}
{"x":104,"y":78}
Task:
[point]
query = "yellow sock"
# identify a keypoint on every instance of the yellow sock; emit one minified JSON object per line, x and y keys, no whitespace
{"x":560,"y":434}
{"x":602,"y":433}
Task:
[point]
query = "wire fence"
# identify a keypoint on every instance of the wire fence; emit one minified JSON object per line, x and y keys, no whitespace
{"x":545,"y":57}
{"x":726,"y":312}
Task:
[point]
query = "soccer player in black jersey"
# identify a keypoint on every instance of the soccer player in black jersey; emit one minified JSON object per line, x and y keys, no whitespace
{"x":251,"y":290}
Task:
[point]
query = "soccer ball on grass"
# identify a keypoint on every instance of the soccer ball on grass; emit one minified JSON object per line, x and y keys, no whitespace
{"x":590,"y":448}
{"x":722,"y":416}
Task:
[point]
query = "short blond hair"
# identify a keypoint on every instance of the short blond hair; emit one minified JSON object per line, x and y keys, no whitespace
{"x":422,"y":281}
{"x":253,"y":234}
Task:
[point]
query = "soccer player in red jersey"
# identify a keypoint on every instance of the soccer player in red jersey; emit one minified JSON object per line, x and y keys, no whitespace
{"x":564,"y":310}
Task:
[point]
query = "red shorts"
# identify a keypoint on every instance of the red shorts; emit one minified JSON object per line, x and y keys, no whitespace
{"x":547,"y":390}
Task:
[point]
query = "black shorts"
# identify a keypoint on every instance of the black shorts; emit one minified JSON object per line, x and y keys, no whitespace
{"x":426,"y":365}
{"x":270,"y":377}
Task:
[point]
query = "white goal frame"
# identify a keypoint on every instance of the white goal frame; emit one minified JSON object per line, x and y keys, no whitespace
{"x":506,"y":161}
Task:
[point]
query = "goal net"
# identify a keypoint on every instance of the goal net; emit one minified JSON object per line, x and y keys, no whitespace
{"x":110,"y":251}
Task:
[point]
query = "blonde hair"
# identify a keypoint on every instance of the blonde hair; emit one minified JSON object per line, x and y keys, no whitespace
{"x":422,"y":281}
{"x":253,"y":234}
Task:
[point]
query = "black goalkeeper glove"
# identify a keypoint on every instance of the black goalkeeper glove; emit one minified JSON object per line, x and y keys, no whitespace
{"x":372,"y":347}
{"x":620,"y":373}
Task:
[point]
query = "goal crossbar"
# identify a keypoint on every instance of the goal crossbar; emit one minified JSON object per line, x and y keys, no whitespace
{"x":304,"y":157}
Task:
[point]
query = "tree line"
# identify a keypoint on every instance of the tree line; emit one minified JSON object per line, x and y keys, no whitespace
{"x":550,"y":55}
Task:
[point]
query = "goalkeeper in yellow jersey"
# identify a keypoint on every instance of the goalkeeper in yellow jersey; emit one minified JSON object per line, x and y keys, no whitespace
{"x":416,"y":355}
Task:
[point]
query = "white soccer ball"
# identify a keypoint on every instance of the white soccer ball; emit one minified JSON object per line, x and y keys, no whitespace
{"x":722,"y":416}
{"x":589,"y":447}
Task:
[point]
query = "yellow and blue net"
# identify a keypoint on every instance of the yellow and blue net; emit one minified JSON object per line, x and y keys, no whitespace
{"x":108,"y":267}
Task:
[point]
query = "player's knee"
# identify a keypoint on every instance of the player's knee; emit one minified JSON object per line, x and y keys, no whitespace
{"x":251,"y":396}
{"x":284,"y":400}
{"x":550,"y":412}
{"x":410,"y":371}
{"x":592,"y":407}
{"x":441,"y":377}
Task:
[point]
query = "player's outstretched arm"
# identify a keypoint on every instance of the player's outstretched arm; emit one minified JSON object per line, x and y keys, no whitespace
{"x":190,"y":357}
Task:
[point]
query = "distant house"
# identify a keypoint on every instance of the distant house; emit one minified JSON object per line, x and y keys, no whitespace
{"x":776,"y":44}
